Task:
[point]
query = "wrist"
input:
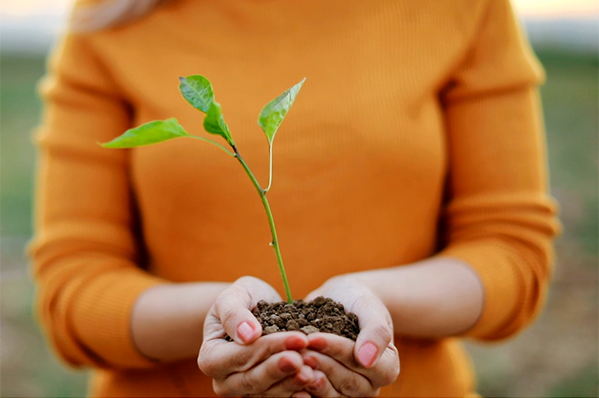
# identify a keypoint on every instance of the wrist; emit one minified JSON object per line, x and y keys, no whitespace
{"x":433,"y":298}
{"x":167,"y":320}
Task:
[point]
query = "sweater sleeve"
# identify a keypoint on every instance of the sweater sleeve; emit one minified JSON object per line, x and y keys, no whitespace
{"x":499,"y":219}
{"x":85,"y":252}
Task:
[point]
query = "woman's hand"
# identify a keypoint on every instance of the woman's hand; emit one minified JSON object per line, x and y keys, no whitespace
{"x":345,"y":368}
{"x":251,"y":365}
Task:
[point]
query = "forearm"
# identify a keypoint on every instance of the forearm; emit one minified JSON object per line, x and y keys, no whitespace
{"x":432,"y":298}
{"x":168,"y":320}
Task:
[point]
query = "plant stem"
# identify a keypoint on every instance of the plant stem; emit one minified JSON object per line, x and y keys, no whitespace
{"x":271,"y":223}
{"x":213,"y":143}
{"x":269,"y":168}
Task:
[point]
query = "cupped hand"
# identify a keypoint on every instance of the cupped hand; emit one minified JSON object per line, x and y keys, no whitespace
{"x":251,"y":365}
{"x":346,"y":368}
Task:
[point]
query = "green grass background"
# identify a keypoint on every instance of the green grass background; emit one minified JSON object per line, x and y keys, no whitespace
{"x":556,"y":357}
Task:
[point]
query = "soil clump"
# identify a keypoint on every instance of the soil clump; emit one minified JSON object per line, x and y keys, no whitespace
{"x":319,"y":315}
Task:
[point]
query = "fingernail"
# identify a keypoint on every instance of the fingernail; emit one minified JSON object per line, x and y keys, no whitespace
{"x":295,"y":343}
{"x":367,"y":355}
{"x":245,"y":331}
{"x":286,"y":365}
{"x":311,"y":362}
{"x":318,"y":344}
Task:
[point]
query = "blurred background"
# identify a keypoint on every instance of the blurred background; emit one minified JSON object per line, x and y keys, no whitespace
{"x":557,"y":357}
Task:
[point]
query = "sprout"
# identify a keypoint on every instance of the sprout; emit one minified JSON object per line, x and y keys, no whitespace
{"x":197,"y":90}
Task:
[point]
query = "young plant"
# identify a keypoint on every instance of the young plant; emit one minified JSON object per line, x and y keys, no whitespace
{"x":197,"y":90}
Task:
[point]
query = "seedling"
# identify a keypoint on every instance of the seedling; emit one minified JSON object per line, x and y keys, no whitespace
{"x":197,"y":90}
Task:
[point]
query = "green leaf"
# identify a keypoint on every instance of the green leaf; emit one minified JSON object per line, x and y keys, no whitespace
{"x":274,"y":112}
{"x":149,"y":133}
{"x":214,"y":123}
{"x":197,"y":90}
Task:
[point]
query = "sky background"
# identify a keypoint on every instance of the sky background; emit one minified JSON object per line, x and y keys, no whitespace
{"x":32,"y":25}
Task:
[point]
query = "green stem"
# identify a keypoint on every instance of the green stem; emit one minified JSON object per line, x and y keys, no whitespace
{"x":269,"y":168}
{"x":271,"y":223}
{"x":213,"y":143}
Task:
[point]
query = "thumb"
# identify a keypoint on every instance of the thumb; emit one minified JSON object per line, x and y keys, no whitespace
{"x":233,"y":305}
{"x":376,"y":332}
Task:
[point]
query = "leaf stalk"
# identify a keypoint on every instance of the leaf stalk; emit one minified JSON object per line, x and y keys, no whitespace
{"x":269,"y":169}
{"x":213,"y":143}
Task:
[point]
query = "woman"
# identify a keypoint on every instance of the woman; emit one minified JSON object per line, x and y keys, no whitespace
{"x":410,"y":185}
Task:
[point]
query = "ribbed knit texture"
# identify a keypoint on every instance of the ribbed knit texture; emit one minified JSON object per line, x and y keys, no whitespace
{"x":417,"y":133}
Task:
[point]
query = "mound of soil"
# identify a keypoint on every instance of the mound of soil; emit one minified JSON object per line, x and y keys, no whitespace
{"x":319,"y":315}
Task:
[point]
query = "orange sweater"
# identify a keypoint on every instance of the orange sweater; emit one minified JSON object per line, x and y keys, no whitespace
{"x":417,"y":133}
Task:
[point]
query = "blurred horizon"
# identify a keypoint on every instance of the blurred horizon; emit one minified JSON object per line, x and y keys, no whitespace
{"x":31,"y":26}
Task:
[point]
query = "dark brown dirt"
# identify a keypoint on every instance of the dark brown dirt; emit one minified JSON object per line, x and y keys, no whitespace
{"x":319,"y":315}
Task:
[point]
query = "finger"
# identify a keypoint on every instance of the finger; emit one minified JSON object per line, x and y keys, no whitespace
{"x":219,"y":358}
{"x":322,"y":387}
{"x":376,"y":331}
{"x":344,"y":380}
{"x":260,"y":378}
{"x":232,"y":307}
{"x":339,"y":348}
{"x":301,"y":394}
{"x":213,"y":329}
{"x":342,"y":350}
{"x":292,"y":385}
